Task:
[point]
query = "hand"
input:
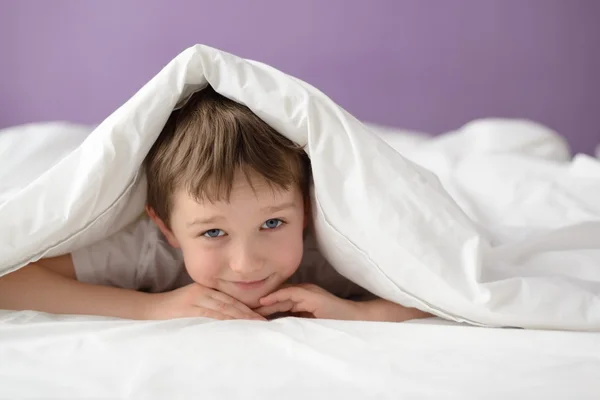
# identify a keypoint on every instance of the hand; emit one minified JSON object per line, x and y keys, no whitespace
{"x":308,"y":300}
{"x":195,"y":300}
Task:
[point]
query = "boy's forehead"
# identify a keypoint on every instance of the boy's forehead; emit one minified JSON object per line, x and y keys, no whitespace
{"x":244,"y":191}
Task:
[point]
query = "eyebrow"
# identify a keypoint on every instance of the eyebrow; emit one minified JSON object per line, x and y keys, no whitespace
{"x":279,"y":207}
{"x":205,"y":221}
{"x":217,"y":218}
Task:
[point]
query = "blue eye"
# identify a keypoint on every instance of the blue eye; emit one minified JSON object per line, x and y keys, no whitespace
{"x":213,"y":233}
{"x":272,"y":223}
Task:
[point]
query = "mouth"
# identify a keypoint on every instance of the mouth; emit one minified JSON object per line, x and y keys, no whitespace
{"x":249,"y":285}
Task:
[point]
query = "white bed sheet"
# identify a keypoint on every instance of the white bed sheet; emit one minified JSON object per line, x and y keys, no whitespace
{"x":70,"y":357}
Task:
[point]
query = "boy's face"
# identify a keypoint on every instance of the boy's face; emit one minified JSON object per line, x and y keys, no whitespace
{"x":246,"y":247}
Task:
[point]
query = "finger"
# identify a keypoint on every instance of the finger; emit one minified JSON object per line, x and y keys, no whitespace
{"x":294,"y":293}
{"x":207,"y":313}
{"x":284,"y":306}
{"x":230,"y":309}
{"x":247,"y":311}
{"x":221,"y":307}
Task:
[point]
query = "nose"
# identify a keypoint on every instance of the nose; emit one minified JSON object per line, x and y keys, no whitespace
{"x":245,"y":260}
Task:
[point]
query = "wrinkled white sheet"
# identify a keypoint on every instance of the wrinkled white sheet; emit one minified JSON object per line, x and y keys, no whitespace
{"x":44,"y":356}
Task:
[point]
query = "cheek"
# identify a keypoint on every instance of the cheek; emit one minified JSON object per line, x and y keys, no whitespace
{"x":286,"y":253}
{"x":203,"y":265}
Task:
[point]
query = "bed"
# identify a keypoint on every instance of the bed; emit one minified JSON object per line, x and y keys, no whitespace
{"x":74,"y":357}
{"x":70,"y":357}
{"x":496,"y":181}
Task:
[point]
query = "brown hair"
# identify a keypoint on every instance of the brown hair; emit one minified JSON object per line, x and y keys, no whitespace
{"x":207,"y":141}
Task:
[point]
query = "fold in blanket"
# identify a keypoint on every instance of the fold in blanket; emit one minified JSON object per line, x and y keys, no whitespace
{"x":491,"y":225}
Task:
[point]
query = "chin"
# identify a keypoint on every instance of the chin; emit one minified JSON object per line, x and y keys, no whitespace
{"x":251,"y":298}
{"x":252,"y":304}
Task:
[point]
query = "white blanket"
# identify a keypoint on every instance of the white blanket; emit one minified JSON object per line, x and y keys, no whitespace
{"x":511,"y":239}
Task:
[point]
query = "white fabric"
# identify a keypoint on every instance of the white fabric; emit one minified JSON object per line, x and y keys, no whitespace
{"x":139,"y":257}
{"x":80,"y":357}
{"x":524,"y":250}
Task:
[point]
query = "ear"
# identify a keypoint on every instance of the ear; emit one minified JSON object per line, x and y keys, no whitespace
{"x":163,"y":227}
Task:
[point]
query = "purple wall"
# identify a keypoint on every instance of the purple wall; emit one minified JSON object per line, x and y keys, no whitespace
{"x":426,"y":65}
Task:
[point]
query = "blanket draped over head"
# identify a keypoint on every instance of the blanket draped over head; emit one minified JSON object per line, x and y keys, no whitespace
{"x":493,"y":224}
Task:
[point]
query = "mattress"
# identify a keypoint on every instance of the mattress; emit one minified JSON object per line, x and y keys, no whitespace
{"x":74,"y":357}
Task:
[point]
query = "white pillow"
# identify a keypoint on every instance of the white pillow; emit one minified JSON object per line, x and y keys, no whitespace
{"x":381,"y":220}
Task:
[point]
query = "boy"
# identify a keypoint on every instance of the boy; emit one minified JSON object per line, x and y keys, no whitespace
{"x":227,"y":235}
